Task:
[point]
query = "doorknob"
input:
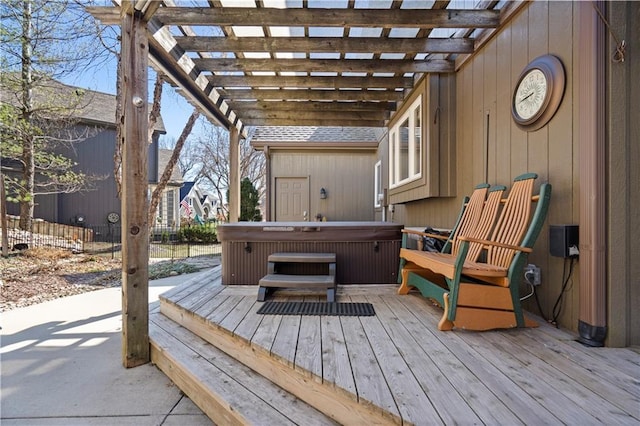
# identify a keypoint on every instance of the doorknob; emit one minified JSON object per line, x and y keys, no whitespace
{"x":304,"y":215}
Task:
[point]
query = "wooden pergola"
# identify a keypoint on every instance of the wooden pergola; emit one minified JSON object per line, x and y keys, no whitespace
{"x":320,"y":63}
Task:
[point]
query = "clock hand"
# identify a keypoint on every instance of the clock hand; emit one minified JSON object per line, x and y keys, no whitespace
{"x":526,"y":97}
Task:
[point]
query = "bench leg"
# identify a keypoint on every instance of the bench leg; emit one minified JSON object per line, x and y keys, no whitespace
{"x":331,"y":294}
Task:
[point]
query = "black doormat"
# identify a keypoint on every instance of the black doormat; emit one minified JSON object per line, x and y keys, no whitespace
{"x":317,"y":308}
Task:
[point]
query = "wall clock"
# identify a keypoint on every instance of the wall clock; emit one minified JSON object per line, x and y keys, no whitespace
{"x":538,"y":93}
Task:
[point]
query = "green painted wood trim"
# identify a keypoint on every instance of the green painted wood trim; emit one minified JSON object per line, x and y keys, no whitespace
{"x":526,"y":176}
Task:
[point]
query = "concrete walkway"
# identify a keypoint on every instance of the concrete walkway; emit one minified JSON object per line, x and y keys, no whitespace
{"x":61,"y":364}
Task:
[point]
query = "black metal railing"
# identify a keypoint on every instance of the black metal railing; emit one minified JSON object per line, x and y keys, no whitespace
{"x":164,"y":242}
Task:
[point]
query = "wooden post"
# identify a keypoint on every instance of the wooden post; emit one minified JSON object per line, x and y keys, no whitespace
{"x":135,"y":184}
{"x":234,"y":170}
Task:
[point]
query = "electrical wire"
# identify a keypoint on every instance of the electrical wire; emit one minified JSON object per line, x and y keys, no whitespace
{"x":533,"y":288}
{"x":557,"y":307}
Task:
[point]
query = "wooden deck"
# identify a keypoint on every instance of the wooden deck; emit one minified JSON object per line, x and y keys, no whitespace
{"x":397,"y":368}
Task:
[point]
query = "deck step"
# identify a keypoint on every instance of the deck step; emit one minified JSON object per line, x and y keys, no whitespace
{"x":297,"y":281}
{"x":271,"y":282}
{"x":226,"y":390}
{"x":303,"y":257}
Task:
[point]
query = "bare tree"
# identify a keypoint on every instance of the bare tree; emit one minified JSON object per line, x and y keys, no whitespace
{"x":166,"y":175}
{"x":211,"y":152}
{"x":40,"y":40}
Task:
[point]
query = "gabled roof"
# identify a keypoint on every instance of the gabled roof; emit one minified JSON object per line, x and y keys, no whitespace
{"x":164,"y":155}
{"x":314,"y":137}
{"x":185,"y":189}
{"x":88,"y":106}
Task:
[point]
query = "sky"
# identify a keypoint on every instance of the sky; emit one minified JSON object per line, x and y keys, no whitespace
{"x":174,"y":108}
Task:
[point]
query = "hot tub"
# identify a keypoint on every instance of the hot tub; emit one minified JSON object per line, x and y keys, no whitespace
{"x":366,"y":252}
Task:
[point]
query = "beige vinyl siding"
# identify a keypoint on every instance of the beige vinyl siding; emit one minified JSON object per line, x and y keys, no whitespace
{"x":484,"y":87}
{"x":347,"y":176}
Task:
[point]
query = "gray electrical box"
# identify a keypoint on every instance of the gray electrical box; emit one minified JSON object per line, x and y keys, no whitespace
{"x":563,"y":240}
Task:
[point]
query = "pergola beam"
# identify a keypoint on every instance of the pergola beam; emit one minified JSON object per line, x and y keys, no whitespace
{"x":326,"y":44}
{"x":364,"y":18}
{"x":304,"y":94}
{"x":314,"y":115}
{"x":242,"y":106}
{"x":325,"y":65}
{"x":314,"y":122}
{"x":337,"y":82}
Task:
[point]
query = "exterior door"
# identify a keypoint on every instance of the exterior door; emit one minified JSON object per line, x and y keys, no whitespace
{"x":292,"y":199}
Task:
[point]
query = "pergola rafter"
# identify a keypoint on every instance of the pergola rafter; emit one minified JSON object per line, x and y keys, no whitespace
{"x":273,"y":54}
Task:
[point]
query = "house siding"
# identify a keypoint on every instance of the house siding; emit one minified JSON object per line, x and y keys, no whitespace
{"x":347,"y":177}
{"x":489,"y":147}
{"x":623,"y":228}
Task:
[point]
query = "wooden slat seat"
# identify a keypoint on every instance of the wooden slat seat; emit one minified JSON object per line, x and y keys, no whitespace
{"x":475,"y":220}
{"x":483,"y":295}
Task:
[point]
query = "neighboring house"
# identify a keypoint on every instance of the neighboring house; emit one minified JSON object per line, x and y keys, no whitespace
{"x":94,"y":156}
{"x":319,"y":173}
{"x":197,"y":204}
{"x":168,"y":207}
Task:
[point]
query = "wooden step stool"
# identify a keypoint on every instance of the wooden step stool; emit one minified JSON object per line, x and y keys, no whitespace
{"x":273,"y":280}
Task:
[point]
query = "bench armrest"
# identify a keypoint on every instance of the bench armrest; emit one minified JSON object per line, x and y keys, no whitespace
{"x":495,"y":244}
{"x":425,"y":234}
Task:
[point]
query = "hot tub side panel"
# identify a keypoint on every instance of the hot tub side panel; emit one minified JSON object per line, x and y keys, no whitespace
{"x":366,"y":255}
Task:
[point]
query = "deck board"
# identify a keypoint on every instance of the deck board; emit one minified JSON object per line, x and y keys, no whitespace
{"x":400,"y":367}
{"x":461,"y":393}
{"x":309,"y":348}
{"x":240,"y":388}
{"x":452,"y":406}
{"x":408,"y":394}
{"x":283,"y":347}
{"x":370,"y":383}
{"x":336,"y":368}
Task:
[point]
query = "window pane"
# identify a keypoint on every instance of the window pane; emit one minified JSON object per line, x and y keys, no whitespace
{"x":377,"y":184}
{"x":170,"y":208}
{"x":404,"y":150}
{"x":392,"y":159}
{"x":417,"y":146}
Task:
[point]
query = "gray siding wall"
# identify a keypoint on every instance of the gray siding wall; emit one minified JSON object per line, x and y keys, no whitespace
{"x":94,"y":156}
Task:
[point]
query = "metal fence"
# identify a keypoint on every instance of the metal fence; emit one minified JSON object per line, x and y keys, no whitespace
{"x":164,"y":242}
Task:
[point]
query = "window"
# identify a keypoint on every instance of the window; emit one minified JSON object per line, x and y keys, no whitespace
{"x":170,"y":207}
{"x":405,"y":147}
{"x":377,"y":185}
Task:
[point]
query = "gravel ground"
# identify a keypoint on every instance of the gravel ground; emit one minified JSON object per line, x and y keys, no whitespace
{"x":37,"y":275}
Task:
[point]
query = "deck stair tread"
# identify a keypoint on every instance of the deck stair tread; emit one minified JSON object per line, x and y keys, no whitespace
{"x":225,"y":389}
{"x":297,"y":281}
{"x":303,"y":257}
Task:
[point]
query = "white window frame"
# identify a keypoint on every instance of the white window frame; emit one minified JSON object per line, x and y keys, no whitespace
{"x":377,"y":184}
{"x":394,"y":147}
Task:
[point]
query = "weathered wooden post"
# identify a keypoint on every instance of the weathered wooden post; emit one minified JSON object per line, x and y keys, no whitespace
{"x":234,"y":171}
{"x":135,"y":182}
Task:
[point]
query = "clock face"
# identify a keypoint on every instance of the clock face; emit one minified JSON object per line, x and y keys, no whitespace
{"x":538,"y":93}
{"x":530,"y":94}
